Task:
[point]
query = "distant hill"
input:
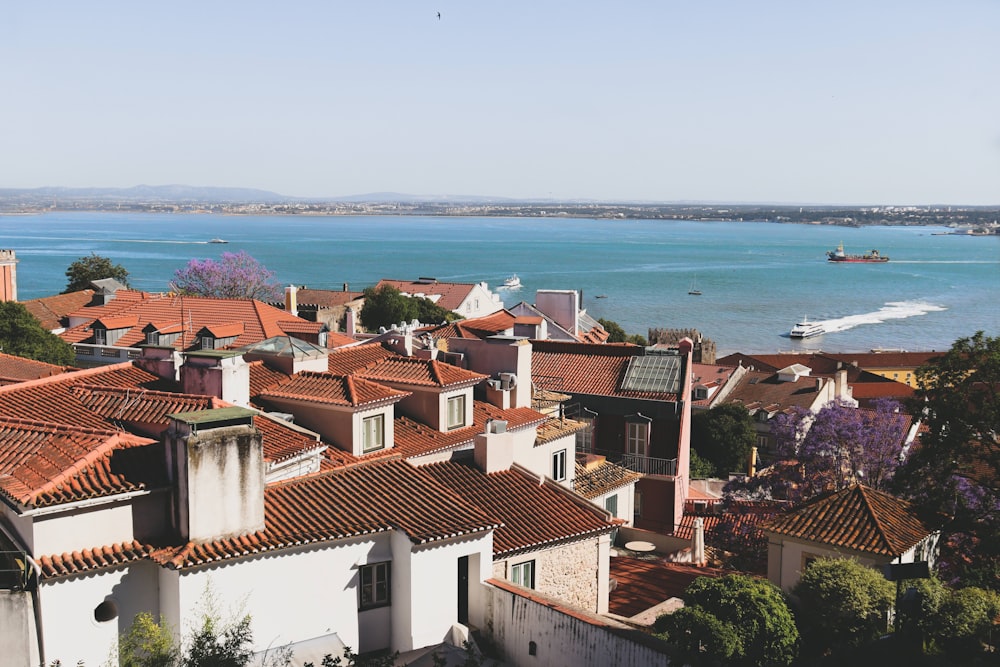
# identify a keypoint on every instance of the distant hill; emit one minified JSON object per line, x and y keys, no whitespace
{"x":146,"y":193}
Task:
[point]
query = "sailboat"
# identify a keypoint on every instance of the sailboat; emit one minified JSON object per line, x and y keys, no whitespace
{"x":694,"y":291}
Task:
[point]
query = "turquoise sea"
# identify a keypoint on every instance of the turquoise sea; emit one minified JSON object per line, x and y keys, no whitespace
{"x":757,"y":279}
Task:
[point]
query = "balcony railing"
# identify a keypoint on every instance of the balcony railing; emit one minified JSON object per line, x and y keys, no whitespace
{"x":647,"y":465}
{"x":104,"y":354}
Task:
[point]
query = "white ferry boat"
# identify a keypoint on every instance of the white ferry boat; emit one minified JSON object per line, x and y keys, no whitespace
{"x":512,"y":283}
{"x":805,"y":329}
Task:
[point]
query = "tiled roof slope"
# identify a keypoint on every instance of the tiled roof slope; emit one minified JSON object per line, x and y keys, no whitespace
{"x":422,"y":372}
{"x":602,"y":478}
{"x":587,"y":368}
{"x":120,"y":405}
{"x":533,"y":514}
{"x":58,"y":565}
{"x":325,"y":298}
{"x":766,"y":390}
{"x":260,"y":320}
{"x":45,"y":464}
{"x":357,"y":500}
{"x":827,"y":363}
{"x":18,"y":369}
{"x":60,"y":404}
{"x":344,"y":390}
{"x":857,"y":518}
{"x":452,"y":294}
{"x":51,"y":310}
{"x":413,"y":438}
{"x":335,"y":339}
{"x":479,"y":327}
{"x":347,"y":360}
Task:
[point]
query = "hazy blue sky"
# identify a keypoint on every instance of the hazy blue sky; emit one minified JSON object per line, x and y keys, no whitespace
{"x":876,"y":101}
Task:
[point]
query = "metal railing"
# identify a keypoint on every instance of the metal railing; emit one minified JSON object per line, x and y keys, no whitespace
{"x":646,"y":465}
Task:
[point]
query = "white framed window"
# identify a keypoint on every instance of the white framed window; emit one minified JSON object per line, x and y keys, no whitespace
{"x":638,"y":439}
{"x":585,"y":436}
{"x":456,"y":411}
{"x":611,"y":504}
{"x":373,"y":585}
{"x":559,"y":465}
{"x":100,"y":336}
{"x":523,"y":574}
{"x":152,"y":338}
{"x":207,"y":343}
{"x":373,"y":433}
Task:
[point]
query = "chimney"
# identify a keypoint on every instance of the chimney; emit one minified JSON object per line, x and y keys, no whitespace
{"x":495,"y":448}
{"x":215,"y":461}
{"x":291,"y":302}
{"x":220,"y":373}
{"x":840,"y":384}
{"x":8,"y":275}
{"x":163,"y":362}
{"x":752,"y":468}
{"x":698,"y":542}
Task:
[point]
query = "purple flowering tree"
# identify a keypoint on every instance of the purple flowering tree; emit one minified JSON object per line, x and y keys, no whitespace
{"x":828,"y":451}
{"x":234,"y":276}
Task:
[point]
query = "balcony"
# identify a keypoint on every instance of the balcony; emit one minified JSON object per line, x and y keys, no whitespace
{"x":646,"y":465}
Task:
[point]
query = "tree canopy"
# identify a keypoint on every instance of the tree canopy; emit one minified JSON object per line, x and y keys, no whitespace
{"x":23,"y":336}
{"x":386,"y":306}
{"x":735,"y":620}
{"x":616,"y":334}
{"x":841,"y":605}
{"x":234,"y":276}
{"x":954,"y":470}
{"x":724,"y":435}
{"x":93,"y":267}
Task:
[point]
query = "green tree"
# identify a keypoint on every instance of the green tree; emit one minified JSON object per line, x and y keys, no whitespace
{"x":842,"y":605}
{"x":147,"y":643}
{"x":616,"y":334}
{"x":956,"y":624}
{"x":218,"y":644}
{"x":700,"y":468}
{"x":753,"y":624}
{"x":724,"y":435}
{"x":386,"y":306}
{"x":955,"y":468}
{"x":23,"y":336}
{"x":83,"y":271}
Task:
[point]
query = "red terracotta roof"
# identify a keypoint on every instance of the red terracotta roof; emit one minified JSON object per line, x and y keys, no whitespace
{"x":413,"y":438}
{"x":17,"y":369}
{"x":335,"y":339}
{"x":325,"y":298}
{"x":347,"y":360}
{"x":357,"y":500}
{"x":51,"y":310}
{"x":479,"y":327}
{"x":45,"y":464}
{"x":260,"y":320}
{"x":641,"y":584}
{"x":281,"y":441}
{"x":113,"y":555}
{"x":588,"y":368}
{"x":119,"y":322}
{"x":534,"y":514}
{"x":342,"y":390}
{"x":759,"y":389}
{"x":227,"y":330}
{"x":137,"y":405}
{"x":263,"y":377}
{"x":856,"y":518}
{"x":600,"y":477}
{"x":452,"y":294}
{"x":422,"y":372}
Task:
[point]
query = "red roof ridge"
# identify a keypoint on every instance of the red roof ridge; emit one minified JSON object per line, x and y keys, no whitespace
{"x":65,"y":377}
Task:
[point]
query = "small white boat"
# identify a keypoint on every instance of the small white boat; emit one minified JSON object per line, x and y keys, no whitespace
{"x":805,"y":329}
{"x":512,"y":283}
{"x":218,"y":241}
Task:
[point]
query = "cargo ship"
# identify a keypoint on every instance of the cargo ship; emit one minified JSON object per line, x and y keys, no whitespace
{"x":872,"y":257}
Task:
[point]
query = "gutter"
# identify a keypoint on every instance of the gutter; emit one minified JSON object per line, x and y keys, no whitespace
{"x":83,"y":504}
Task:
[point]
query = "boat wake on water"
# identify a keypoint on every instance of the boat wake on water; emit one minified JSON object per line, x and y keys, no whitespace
{"x":893,"y":310}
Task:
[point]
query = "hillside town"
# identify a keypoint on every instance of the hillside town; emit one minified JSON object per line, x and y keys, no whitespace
{"x":507,"y":483}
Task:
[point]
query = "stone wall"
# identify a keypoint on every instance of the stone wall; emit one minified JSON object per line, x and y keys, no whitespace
{"x":704,"y":348}
{"x":567,"y":572}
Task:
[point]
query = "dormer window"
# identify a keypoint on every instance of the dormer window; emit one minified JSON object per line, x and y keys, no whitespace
{"x":207,"y":343}
{"x":456,"y":411}
{"x":152,"y":338}
{"x":373,"y":433}
{"x":700,"y":393}
{"x":100,"y":336}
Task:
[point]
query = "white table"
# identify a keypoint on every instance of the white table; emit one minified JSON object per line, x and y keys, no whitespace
{"x":640,"y":546}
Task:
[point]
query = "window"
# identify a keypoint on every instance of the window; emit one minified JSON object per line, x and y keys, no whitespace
{"x":611,"y":504}
{"x":207,"y":343}
{"x":373,"y":433}
{"x":559,"y":465}
{"x":585,"y":436}
{"x":456,"y":411}
{"x":638,"y":438}
{"x":100,"y":336}
{"x":762,"y":442}
{"x":152,"y":338}
{"x":523,"y":574}
{"x":374,"y":589}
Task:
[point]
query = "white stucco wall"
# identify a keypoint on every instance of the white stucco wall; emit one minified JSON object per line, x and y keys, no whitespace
{"x":70,"y":631}
{"x":626,"y":502}
{"x":786,"y":557}
{"x":82,"y":528}
{"x":538,"y":458}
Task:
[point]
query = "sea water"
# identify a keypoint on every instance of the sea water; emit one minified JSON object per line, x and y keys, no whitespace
{"x":757,"y":279}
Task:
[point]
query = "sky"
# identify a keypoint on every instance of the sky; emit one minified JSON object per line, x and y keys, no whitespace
{"x":885,"y":102}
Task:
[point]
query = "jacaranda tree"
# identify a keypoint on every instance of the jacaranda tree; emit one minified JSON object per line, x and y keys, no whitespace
{"x":233,"y":276}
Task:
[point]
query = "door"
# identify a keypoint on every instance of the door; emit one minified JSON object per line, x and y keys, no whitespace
{"x":463,"y":590}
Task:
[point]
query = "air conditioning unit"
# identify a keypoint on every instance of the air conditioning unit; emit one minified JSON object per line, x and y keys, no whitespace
{"x":493,"y":384}
{"x":508,"y":381}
